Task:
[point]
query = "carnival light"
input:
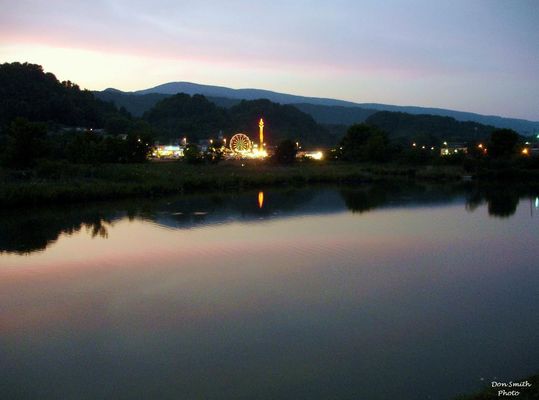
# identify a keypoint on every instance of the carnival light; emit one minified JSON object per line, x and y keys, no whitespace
{"x":317,"y":155}
{"x":261,"y":127}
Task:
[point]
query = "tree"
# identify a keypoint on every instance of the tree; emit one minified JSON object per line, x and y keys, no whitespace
{"x":286,"y":152}
{"x":502,"y":143}
{"x":137,"y":147}
{"x":139,"y":143}
{"x":364,"y":143}
{"x":192,"y":154}
{"x":91,"y":148}
{"x":214,"y":153}
{"x":117,"y":125}
{"x":25,"y":144}
{"x":86,"y":148}
{"x":376,"y":148}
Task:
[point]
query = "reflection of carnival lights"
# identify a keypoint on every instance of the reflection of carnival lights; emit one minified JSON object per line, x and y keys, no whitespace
{"x":260,"y":199}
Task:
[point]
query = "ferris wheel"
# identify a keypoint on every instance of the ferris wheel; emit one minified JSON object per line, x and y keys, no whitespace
{"x":240,"y":143}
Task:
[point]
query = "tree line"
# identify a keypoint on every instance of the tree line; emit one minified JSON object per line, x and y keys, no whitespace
{"x":41,"y":117}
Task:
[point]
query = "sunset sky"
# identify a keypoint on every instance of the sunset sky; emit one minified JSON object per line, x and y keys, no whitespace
{"x":478,"y":56}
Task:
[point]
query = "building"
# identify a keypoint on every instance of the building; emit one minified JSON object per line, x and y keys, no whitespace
{"x":162,"y":151}
{"x":449,"y":149}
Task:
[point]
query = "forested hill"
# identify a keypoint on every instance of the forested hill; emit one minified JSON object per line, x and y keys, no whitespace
{"x":330,"y":114}
{"x":183,"y":115}
{"x":282,"y":122}
{"x":336,"y":115}
{"x":27,"y":91}
{"x":198,"y":118}
{"x":427,"y":128}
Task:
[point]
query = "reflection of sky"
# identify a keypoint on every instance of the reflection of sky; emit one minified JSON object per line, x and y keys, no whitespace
{"x":435,"y":298}
{"x":420,"y":53}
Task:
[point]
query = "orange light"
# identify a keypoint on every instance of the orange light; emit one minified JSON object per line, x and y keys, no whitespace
{"x":480,"y":145}
{"x":260,"y":199}
{"x":261,"y":126}
{"x":525,"y":151}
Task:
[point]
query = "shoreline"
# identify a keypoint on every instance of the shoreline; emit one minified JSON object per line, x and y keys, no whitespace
{"x":58,"y":182}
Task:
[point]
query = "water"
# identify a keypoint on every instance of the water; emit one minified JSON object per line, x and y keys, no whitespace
{"x":316,"y":293}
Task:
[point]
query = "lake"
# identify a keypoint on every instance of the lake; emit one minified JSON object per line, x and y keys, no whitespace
{"x":375,"y":292}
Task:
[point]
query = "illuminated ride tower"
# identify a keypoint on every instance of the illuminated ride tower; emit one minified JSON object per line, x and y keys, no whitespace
{"x":261,"y":126}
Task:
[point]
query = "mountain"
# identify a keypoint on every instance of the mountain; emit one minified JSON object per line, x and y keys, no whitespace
{"x":330,"y":111}
{"x":240,"y":94}
{"x":134,"y":104}
{"x":138,"y":104}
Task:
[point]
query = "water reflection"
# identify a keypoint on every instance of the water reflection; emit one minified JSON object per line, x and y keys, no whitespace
{"x":502,"y":203}
{"x":214,"y":297}
{"x":26,"y":231}
{"x":260,"y":199}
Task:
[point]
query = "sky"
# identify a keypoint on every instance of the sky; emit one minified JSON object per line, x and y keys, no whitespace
{"x":468,"y":55}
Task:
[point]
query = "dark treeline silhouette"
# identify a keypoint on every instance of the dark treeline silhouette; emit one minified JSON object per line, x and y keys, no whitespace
{"x":196,"y":117}
{"x":62,"y":122}
{"x":27,"y":143}
{"x":427,"y":129}
{"x":503,"y":150}
{"x":42,"y":118}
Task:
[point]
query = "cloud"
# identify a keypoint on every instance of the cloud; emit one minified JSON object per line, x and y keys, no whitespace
{"x":291,"y":46}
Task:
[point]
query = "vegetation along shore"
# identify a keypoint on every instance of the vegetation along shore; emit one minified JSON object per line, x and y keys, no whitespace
{"x":59,"y":143}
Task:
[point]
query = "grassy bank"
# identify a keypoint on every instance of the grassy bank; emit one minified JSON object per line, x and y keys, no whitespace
{"x":62,"y":182}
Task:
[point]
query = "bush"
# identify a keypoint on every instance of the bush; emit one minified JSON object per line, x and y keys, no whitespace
{"x":192,"y":154}
{"x":364,"y":143}
{"x":502,"y":143}
{"x":26,"y":143}
{"x":286,"y":152}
